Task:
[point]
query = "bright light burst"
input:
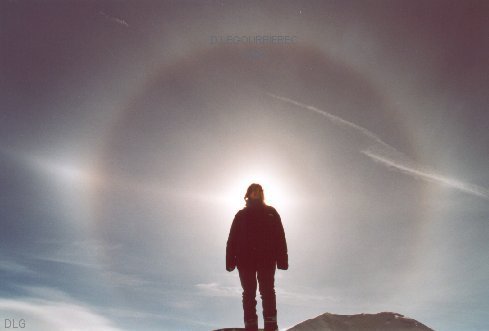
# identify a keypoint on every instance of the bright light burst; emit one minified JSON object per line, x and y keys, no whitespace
{"x":68,"y":172}
{"x":273,"y":187}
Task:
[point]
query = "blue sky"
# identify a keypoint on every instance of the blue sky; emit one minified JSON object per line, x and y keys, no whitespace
{"x":128,"y":138}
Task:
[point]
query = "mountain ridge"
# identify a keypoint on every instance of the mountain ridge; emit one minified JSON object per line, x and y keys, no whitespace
{"x":383,"y":321}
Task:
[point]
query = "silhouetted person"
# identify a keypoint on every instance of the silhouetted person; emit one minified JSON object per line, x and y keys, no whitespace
{"x":257,"y":246}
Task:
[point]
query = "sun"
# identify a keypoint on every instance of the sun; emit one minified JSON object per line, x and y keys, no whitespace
{"x":273,"y":188}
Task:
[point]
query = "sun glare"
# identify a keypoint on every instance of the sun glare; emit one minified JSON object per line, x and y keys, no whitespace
{"x":273,"y":188}
{"x":68,"y":172}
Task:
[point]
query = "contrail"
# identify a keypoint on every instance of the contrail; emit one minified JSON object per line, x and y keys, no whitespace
{"x":391,"y":157}
{"x":429,"y":175}
{"x":114,"y":19}
{"x":335,"y":119}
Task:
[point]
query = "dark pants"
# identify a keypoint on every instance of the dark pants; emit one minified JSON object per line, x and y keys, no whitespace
{"x":266,"y":278}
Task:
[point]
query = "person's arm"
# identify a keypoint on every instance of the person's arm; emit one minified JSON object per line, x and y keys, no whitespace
{"x":231,"y":245}
{"x":282,"y":255}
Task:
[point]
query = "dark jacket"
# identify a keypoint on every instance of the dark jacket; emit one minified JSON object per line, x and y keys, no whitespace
{"x":256,"y":238}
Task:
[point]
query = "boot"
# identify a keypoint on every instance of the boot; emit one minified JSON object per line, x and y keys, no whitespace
{"x":251,"y":324}
{"x":270,"y":323}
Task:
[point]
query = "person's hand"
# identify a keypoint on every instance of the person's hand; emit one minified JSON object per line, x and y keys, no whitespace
{"x":283,"y":264}
{"x":230,"y":263}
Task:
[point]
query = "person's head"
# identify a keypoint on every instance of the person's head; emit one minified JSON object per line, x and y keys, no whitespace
{"x":255,"y":193}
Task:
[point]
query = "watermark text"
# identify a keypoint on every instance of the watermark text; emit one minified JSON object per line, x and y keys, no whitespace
{"x":253,"y":40}
{"x":12,"y":323}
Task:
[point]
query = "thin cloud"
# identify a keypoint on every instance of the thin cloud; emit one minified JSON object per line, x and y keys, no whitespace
{"x":305,"y":298}
{"x":47,"y":315}
{"x":216,"y":290}
{"x":387,"y":155}
{"x":14,"y":267}
{"x":117,"y":279}
{"x":288,"y":297}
